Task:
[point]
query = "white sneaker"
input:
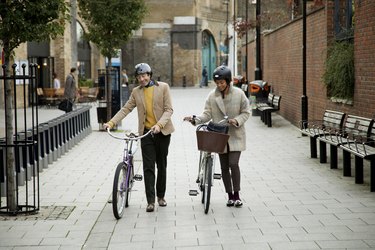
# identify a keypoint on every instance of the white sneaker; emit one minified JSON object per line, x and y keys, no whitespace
{"x":238,"y":203}
{"x":230,"y":203}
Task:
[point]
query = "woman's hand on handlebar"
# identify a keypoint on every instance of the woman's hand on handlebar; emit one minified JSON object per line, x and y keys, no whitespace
{"x":233,"y":122}
{"x":190,"y":119}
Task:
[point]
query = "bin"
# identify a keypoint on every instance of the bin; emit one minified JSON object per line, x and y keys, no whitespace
{"x":240,"y":82}
{"x":258,"y":91}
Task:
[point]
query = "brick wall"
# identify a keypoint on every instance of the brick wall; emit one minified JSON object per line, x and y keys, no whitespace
{"x":282,"y":63}
{"x":364,"y":40}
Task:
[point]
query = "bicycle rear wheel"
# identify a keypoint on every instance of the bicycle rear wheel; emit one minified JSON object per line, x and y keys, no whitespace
{"x":119,"y":191}
{"x":207,"y":184}
{"x":129,"y":185}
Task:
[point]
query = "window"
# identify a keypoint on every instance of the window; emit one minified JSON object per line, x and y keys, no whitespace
{"x":343,"y":20}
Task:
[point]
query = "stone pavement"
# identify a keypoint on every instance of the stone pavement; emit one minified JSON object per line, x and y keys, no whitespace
{"x":290,"y":200}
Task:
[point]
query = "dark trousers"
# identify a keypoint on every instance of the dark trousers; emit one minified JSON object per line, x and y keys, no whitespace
{"x":230,"y":171}
{"x":155,"y":150}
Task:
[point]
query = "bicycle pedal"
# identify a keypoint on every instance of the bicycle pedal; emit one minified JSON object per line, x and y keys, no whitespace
{"x":193,"y":192}
{"x":217,"y":176}
{"x":138,"y":177}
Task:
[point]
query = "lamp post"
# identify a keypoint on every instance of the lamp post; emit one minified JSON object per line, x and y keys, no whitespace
{"x":258,"y":69}
{"x":226,"y":2}
{"x":246,"y":40}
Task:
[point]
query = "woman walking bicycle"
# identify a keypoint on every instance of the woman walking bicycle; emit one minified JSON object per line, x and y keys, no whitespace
{"x":226,"y":100}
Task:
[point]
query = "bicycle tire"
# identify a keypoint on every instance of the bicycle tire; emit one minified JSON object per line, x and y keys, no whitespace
{"x":207,"y":184}
{"x":202,"y":168}
{"x":119,"y":190}
{"x":129,"y":186}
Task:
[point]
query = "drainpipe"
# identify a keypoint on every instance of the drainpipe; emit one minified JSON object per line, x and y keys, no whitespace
{"x":258,"y":69}
{"x":304,"y":101}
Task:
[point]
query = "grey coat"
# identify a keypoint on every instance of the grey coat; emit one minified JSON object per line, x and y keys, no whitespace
{"x":70,"y":88}
{"x":236,"y":106}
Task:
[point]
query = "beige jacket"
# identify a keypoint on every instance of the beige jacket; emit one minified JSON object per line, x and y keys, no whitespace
{"x":162,"y":108}
{"x":235,"y":106}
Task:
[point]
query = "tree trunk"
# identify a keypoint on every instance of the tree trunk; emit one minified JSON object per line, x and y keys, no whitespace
{"x":109,"y":89}
{"x":10,"y":167}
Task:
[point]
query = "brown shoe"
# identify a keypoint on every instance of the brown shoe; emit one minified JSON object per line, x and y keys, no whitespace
{"x":150,"y":207}
{"x":162,"y":202}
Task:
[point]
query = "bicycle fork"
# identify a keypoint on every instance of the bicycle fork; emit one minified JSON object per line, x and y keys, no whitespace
{"x":201,"y":172}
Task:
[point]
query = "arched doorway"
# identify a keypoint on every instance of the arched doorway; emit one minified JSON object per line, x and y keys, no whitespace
{"x":84,"y":54}
{"x":208,"y":53}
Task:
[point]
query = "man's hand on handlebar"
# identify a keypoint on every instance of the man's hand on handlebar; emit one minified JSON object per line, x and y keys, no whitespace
{"x":106,"y":126}
{"x":155,"y":129}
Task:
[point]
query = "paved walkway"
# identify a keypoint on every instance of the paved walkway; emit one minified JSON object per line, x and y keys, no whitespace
{"x":290,"y":200}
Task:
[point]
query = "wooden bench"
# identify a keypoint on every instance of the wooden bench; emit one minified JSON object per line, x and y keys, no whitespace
{"x":60,"y":94}
{"x":266,"y":111}
{"x":353,"y":125}
{"x":360,"y":141}
{"x":316,"y":128}
{"x":266,"y":104}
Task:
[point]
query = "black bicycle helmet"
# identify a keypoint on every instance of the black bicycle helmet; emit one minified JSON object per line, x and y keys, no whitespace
{"x":222,"y":73}
{"x":142,"y":68}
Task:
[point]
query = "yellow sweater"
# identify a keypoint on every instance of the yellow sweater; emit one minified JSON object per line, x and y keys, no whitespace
{"x":149,"y":99}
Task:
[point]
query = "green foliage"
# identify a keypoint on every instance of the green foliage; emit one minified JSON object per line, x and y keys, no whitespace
{"x":339,"y":70}
{"x":29,"y":20}
{"x":83,"y":82}
{"x":111,"y":23}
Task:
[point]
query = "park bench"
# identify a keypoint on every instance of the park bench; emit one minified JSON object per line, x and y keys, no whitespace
{"x":316,"y":128}
{"x":268,"y":103}
{"x":359,"y":141}
{"x":266,"y":111}
{"x":335,"y":136}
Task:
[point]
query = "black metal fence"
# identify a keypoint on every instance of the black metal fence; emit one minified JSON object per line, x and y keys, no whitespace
{"x":34,"y":145}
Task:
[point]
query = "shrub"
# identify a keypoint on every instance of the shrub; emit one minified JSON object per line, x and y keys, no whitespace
{"x":339,"y":70}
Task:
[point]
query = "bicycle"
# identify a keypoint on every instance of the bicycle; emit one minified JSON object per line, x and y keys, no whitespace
{"x":209,"y":143}
{"x":124,"y":175}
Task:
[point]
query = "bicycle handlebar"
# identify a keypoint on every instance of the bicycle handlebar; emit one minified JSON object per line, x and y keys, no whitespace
{"x":225,"y":120}
{"x":128,"y":137}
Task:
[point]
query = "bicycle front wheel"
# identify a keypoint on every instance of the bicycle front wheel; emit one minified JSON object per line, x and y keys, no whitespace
{"x":207,"y":184}
{"x":119,"y":191}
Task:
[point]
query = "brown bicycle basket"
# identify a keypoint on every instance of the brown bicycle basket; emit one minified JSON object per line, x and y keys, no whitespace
{"x":211,"y":141}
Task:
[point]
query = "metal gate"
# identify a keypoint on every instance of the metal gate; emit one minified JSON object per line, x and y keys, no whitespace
{"x":19,"y":161}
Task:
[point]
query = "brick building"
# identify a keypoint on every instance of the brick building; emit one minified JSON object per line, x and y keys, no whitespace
{"x":179,"y":37}
{"x":282,"y":59}
{"x":59,"y":55}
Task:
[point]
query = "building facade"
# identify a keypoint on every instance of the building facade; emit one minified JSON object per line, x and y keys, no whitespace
{"x":59,"y":55}
{"x":178,"y":38}
{"x":282,"y":59}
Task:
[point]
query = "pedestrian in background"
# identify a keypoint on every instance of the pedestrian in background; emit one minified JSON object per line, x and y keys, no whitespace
{"x":125,"y":78}
{"x":226,"y":100}
{"x":71,"y":88}
{"x":204,"y":81}
{"x":56,"y":81}
{"x":154,"y":106}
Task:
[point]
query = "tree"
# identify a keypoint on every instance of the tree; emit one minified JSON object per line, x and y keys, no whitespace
{"x":110,"y":24}
{"x":20,"y":22}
